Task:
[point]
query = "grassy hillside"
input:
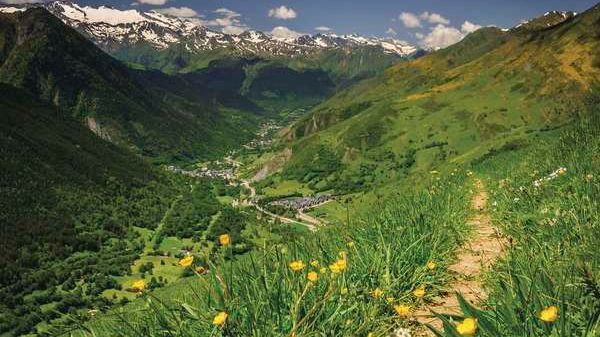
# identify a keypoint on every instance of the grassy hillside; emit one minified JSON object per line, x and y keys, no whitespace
{"x":545,"y":200}
{"x":455,"y":105}
{"x":381,"y":259}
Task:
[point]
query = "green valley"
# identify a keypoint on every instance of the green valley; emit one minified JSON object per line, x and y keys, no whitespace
{"x":167,"y":172}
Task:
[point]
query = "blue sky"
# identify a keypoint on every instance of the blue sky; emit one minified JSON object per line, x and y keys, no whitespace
{"x":365,"y":17}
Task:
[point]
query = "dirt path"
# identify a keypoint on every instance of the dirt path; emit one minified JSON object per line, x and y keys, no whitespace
{"x":475,"y":257}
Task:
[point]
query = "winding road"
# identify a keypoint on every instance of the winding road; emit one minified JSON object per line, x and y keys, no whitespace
{"x":309,"y":222}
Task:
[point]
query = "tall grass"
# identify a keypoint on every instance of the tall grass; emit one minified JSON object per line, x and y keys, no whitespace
{"x":388,"y":249}
{"x":546,"y":201}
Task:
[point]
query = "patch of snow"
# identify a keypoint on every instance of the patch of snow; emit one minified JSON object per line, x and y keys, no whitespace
{"x":10,"y":10}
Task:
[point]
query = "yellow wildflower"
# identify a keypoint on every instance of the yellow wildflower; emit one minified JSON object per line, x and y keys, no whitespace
{"x":370,"y":334}
{"x":220,"y":318}
{"x":139,"y":285}
{"x":339,"y":265}
{"x":312,"y":276}
{"x":186,"y":261}
{"x":431,"y":265}
{"x":297,"y":265}
{"x":468,"y":327}
{"x":323,"y":270}
{"x":549,"y":314}
{"x":200,"y":270}
{"x":419,"y":292}
{"x":344,"y":291}
{"x":314,"y":263}
{"x":402,"y":310}
{"x":377,"y":293}
{"x":224,"y":239}
{"x":390,"y":300}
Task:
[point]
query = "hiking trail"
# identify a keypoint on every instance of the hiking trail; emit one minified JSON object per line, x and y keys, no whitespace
{"x":475,"y":257}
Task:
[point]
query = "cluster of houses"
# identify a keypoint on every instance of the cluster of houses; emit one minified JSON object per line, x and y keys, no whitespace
{"x":263,"y":136}
{"x":222,"y":173}
{"x":302,"y":203}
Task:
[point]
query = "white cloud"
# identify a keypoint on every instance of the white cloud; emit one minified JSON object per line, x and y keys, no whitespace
{"x":469,"y":27}
{"x":410,"y":20}
{"x":441,"y":37}
{"x":419,"y":36}
{"x":281,"y":32}
{"x":20,"y":2}
{"x":323,"y":29}
{"x":283,"y":13}
{"x":434,"y":18}
{"x":228,"y":21}
{"x":181,"y":12}
{"x":152,"y":2}
{"x":391,"y":31}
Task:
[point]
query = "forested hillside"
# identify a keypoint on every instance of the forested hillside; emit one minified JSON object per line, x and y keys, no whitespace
{"x":69,"y":201}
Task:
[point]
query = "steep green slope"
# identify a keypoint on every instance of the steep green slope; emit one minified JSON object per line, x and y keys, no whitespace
{"x":55,"y":63}
{"x":271,"y":85}
{"x":343,"y":66}
{"x":68,"y":201}
{"x":453,"y":105}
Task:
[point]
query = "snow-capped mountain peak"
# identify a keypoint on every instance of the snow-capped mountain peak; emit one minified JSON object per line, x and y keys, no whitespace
{"x":112,"y":29}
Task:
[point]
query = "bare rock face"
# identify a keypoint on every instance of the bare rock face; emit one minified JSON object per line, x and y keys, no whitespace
{"x":96,"y":128}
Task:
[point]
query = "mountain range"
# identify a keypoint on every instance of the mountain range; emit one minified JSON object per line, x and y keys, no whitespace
{"x":148,"y":38}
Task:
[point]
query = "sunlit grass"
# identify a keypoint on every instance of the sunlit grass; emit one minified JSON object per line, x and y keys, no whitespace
{"x":385,"y":259}
{"x":545,"y":200}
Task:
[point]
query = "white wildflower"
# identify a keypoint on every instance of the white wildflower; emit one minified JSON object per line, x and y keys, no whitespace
{"x":401,"y":332}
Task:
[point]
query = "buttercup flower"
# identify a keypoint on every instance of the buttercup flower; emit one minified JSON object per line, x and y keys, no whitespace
{"x":224,"y":239}
{"x":402,"y":310}
{"x":186,"y":261}
{"x":549,"y":314}
{"x":314,"y":263}
{"x":338,"y":266}
{"x":296,"y":265}
{"x":312,"y":276}
{"x":138,"y":285}
{"x":419,"y":292}
{"x":431,"y":265}
{"x":220,"y":318}
{"x":467,"y":327}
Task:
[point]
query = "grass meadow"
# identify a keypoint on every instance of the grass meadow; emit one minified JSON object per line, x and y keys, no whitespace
{"x":351,"y":280}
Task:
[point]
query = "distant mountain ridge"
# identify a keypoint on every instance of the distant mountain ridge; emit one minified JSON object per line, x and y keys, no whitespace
{"x":111,"y":28}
